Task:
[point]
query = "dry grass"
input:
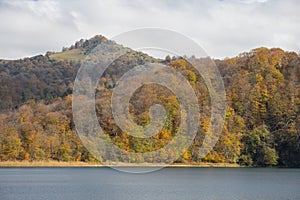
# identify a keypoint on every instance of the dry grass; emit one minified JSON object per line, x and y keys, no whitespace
{"x":90,"y":164}
{"x":203,"y":164}
{"x":51,"y":163}
{"x":74,"y":54}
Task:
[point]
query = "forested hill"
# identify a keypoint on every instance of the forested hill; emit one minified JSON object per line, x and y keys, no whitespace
{"x":262,"y":125}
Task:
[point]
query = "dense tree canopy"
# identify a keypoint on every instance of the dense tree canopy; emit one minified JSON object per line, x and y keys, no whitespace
{"x":262,"y":124}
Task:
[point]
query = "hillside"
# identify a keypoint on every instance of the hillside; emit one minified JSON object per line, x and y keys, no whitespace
{"x":262,"y":125}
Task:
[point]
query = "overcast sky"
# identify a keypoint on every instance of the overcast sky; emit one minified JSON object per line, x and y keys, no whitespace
{"x":224,"y":28}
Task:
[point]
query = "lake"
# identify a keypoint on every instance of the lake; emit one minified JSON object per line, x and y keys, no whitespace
{"x":168,"y":183}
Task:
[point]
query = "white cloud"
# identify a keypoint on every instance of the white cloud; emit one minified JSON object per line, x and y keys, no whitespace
{"x":223,"y":28}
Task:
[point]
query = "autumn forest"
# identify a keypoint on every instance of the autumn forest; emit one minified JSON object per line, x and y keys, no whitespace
{"x":262,"y":121}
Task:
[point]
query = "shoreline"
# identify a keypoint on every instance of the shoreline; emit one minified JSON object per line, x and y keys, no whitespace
{"x":58,"y":164}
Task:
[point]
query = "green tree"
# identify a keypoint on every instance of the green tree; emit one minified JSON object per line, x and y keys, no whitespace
{"x":259,"y":146}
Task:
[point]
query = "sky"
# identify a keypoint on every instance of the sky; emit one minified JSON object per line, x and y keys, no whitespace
{"x":223,"y":28}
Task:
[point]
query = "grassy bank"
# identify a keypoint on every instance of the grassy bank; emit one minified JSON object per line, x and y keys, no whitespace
{"x":89,"y":164}
{"x":51,"y":163}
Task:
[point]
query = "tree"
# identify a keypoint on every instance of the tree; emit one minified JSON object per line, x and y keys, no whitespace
{"x":259,"y":146}
{"x":10,"y":144}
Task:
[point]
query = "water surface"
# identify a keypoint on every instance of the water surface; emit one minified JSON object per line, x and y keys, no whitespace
{"x":168,"y":183}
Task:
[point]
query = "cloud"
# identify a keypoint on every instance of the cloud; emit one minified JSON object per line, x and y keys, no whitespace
{"x":223,"y":28}
{"x":253,"y":1}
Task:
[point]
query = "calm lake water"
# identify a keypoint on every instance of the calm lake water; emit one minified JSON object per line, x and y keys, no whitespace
{"x":168,"y":183}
